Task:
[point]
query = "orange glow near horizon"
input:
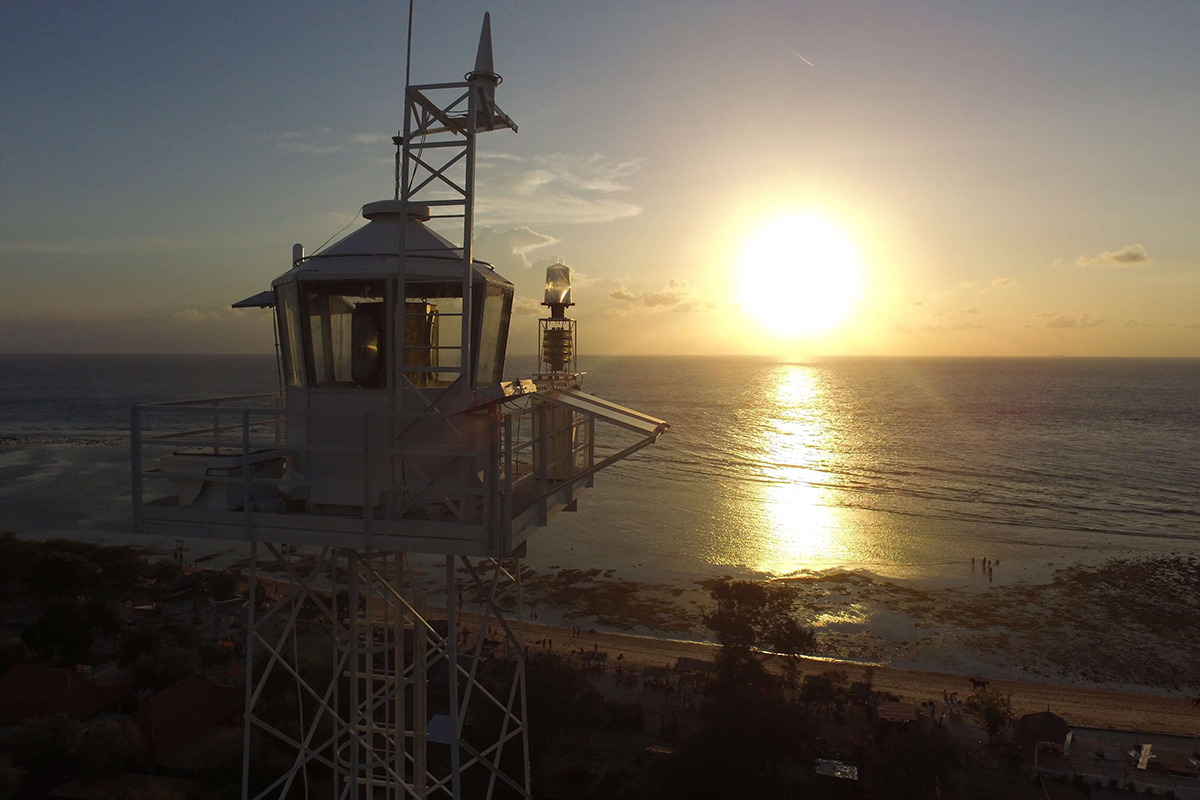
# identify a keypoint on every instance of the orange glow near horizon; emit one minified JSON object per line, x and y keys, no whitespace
{"x":799,"y":276}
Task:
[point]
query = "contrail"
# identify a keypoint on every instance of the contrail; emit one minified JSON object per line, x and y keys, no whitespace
{"x":802,"y":58}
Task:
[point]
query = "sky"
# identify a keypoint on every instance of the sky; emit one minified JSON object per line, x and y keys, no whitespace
{"x":1015,"y":178}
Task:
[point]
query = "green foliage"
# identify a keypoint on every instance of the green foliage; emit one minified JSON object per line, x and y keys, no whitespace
{"x":222,"y":585}
{"x":59,"y":575}
{"x":993,"y":711}
{"x":750,"y":615}
{"x":62,"y":629}
{"x":104,"y":617}
{"x":145,"y":642}
{"x":40,"y":742}
{"x":163,"y":667}
{"x":13,"y":651}
{"x":214,"y":654}
{"x":64,"y":569}
{"x":110,"y":747}
{"x":165,"y":571}
{"x":562,"y":704}
{"x":625,"y":718}
{"x":824,"y":688}
{"x":915,"y":763}
{"x":10,"y":778}
{"x":751,"y":742}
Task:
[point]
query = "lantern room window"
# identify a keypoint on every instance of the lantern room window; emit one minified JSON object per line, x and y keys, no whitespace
{"x":493,"y":334}
{"x":345,"y":333}
{"x":289,"y":335}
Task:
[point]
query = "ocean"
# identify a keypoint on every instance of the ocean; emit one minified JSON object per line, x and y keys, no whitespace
{"x":904,"y":467}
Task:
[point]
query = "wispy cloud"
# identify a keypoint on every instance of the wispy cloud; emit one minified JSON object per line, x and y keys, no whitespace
{"x":1131,"y":255}
{"x":510,"y":248}
{"x":526,"y":306}
{"x":971,"y":310}
{"x":802,"y":58}
{"x":1002,"y":281}
{"x":1081,"y":321}
{"x":1137,"y":323}
{"x":964,"y":325}
{"x":556,"y":188}
{"x":324,"y":141}
{"x":676,"y":295}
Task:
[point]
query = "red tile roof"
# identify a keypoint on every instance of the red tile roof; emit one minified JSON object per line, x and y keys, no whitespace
{"x":174,"y":717}
{"x":28,"y":691}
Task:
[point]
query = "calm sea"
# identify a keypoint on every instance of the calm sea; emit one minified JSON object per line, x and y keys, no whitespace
{"x":904,"y":466}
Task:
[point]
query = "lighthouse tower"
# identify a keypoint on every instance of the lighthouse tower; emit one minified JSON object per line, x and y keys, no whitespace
{"x":392,"y":474}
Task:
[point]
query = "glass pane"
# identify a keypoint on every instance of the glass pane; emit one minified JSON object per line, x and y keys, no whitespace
{"x":288,"y":307}
{"x":346,"y":343}
{"x":493,"y":335}
{"x":432,"y":333}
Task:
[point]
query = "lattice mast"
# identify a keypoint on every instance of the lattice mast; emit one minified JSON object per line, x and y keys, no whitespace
{"x":394,"y":441}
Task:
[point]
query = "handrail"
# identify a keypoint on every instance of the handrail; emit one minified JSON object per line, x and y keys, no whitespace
{"x":479,"y":481}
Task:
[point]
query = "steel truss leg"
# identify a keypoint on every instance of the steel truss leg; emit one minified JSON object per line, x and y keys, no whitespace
{"x":358,"y":721}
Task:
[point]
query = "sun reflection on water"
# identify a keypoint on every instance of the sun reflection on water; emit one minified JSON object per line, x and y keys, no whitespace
{"x":804,"y":524}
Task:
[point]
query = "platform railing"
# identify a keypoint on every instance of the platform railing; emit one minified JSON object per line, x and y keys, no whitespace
{"x":497,"y":482}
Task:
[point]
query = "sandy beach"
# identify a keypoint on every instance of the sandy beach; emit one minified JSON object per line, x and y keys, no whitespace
{"x":1080,"y":706}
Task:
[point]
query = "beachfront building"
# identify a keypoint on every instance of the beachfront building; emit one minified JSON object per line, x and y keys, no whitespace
{"x":393,"y":437}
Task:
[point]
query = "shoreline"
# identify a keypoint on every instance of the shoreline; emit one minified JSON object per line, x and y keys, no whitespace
{"x":1082,"y":707}
{"x":1116,"y":709}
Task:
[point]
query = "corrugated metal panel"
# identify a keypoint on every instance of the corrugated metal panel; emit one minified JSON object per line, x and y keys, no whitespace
{"x":261,"y":300}
{"x":607,"y":411}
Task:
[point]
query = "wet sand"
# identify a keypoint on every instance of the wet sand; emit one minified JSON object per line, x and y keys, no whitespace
{"x":1079,"y":706}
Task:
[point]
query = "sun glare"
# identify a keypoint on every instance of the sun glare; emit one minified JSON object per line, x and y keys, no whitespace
{"x":799,"y":276}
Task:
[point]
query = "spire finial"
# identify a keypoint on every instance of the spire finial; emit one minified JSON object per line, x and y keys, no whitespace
{"x":484,"y":68}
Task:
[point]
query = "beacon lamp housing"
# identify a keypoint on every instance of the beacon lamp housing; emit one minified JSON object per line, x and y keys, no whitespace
{"x":558,"y":286}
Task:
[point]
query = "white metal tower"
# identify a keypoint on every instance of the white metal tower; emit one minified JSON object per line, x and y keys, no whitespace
{"x":393,"y":444}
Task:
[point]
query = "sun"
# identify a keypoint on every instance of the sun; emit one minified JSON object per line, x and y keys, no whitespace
{"x":799,"y":276}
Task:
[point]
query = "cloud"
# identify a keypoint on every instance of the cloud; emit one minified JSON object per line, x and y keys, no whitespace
{"x":1137,"y":323}
{"x":675,"y":295}
{"x":510,"y":248}
{"x":371,"y":138}
{"x":1081,"y":321}
{"x":526,"y":306}
{"x":323,"y":141}
{"x":917,"y":303}
{"x":1193,"y":326}
{"x":196,"y":316}
{"x":965,"y":325}
{"x":971,"y":310}
{"x":1131,"y":255}
{"x":968,"y":284}
{"x":555,"y":188}
{"x":1002,"y":281}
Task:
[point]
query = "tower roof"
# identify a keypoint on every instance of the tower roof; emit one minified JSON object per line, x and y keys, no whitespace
{"x":372,"y":250}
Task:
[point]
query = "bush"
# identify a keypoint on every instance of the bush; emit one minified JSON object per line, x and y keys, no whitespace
{"x":40,"y":742}
{"x":62,"y":629}
{"x":626,"y":718}
{"x":916,"y":762}
{"x":14,"y":651}
{"x":10,"y":778}
{"x":162,"y":668}
{"x":110,"y":747}
{"x":222,"y":585}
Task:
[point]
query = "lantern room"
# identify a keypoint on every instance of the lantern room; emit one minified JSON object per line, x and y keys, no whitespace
{"x":340,"y":311}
